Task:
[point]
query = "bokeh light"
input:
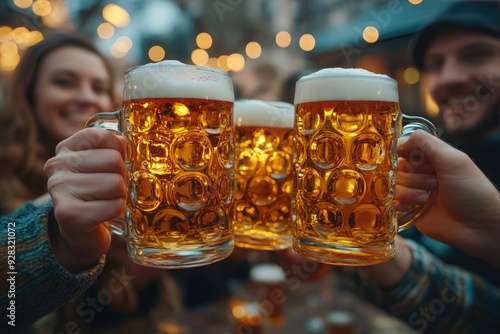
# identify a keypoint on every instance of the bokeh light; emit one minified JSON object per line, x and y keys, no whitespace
{"x":58,"y":15}
{"x":212,"y":62}
{"x":204,"y":40}
{"x":307,"y":42}
{"x":23,"y":3}
{"x":8,"y":64}
{"x":21,"y":36}
{"x":42,"y":7}
{"x":35,"y":37}
{"x":123,"y":43}
{"x":411,"y":75}
{"x":370,"y":34}
{"x":5,"y":33}
{"x":121,"y":47}
{"x":156,"y":53}
{"x":105,"y":30}
{"x":283,"y":39}
{"x":117,"y":53}
{"x":222,"y":63}
{"x":253,"y":50}
{"x":415,"y":2}
{"x":236,"y":62}
{"x":8,"y":49}
{"x":116,"y":15}
{"x":199,"y":57}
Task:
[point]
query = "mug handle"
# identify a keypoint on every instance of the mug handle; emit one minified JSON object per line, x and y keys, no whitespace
{"x":111,"y":121}
{"x":407,"y":219}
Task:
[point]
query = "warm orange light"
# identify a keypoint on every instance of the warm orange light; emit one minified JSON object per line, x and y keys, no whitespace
{"x":8,"y":64}
{"x":23,"y":3}
{"x":415,"y":2}
{"x":42,"y":7}
{"x":156,"y":53}
{"x":370,"y":34}
{"x":283,"y":39}
{"x":5,"y":33}
{"x":199,"y":57}
{"x":116,"y":15}
{"x":8,"y":49}
{"x":35,"y":37}
{"x":236,"y":62}
{"x":117,"y":53}
{"x":222,"y":63}
{"x":212,"y":62}
{"x":204,"y":41}
{"x":21,"y":36}
{"x":253,"y":50}
{"x":121,"y":47}
{"x":307,"y":42}
{"x":58,"y":16}
{"x":411,"y":75}
{"x":105,"y":30}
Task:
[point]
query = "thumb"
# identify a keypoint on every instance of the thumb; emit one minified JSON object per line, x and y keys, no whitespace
{"x":441,"y":155}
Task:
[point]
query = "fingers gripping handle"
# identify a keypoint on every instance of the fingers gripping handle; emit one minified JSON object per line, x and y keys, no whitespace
{"x":111,"y":121}
{"x":408,"y":218}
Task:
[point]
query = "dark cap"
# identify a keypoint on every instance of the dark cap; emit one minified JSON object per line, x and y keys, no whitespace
{"x":479,"y":16}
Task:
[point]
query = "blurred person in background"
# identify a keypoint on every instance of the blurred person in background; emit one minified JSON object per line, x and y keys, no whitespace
{"x":61,"y":82}
{"x":433,"y":286}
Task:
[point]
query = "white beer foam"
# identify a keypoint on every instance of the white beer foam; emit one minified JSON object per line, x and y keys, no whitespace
{"x":274,"y":114}
{"x":338,"y":84}
{"x":267,"y":273}
{"x":171,"y":78}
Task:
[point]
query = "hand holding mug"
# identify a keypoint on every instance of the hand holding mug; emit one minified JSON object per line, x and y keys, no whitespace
{"x":87,"y":186}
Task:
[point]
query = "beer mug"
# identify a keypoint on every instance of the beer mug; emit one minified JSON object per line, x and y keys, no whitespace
{"x":178,"y":127}
{"x":263,"y":174}
{"x":346,"y":129}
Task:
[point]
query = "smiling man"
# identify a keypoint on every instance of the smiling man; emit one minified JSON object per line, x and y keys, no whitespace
{"x":435,"y":287}
{"x":460,"y":56}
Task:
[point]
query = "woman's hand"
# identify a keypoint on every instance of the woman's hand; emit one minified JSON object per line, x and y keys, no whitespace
{"x":87,"y":186}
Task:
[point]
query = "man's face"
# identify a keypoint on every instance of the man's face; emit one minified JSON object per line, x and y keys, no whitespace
{"x":463,"y":71}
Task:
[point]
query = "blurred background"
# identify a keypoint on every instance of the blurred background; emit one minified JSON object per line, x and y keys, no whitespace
{"x":265,"y":44}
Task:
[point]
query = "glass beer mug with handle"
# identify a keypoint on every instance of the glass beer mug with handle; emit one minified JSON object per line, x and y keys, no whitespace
{"x":263,"y":174}
{"x":346,"y":129}
{"x":178,"y":127}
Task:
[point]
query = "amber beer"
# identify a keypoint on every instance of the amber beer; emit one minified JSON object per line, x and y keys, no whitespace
{"x":263,"y":174}
{"x":180,"y":153}
{"x":347,"y":125}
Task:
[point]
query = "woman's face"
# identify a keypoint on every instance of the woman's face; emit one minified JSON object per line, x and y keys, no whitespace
{"x":72,"y":85}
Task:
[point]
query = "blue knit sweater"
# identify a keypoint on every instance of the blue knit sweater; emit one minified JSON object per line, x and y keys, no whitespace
{"x":33,"y":282}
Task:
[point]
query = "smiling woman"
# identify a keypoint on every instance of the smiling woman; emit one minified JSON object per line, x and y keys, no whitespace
{"x":59,"y":83}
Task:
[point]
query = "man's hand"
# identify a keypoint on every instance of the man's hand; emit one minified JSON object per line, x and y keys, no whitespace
{"x":466,"y":214}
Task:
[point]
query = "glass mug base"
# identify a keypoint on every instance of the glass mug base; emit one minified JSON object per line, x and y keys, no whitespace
{"x":263,"y":243}
{"x":175,"y":258}
{"x":341,"y":255}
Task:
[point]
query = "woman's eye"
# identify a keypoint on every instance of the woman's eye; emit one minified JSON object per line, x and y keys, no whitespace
{"x":64,"y":82}
{"x":101,"y":89}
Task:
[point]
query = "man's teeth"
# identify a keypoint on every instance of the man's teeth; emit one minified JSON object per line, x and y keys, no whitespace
{"x":456,"y":102}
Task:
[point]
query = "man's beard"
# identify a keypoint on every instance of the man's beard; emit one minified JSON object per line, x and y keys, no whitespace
{"x":489,"y":122}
